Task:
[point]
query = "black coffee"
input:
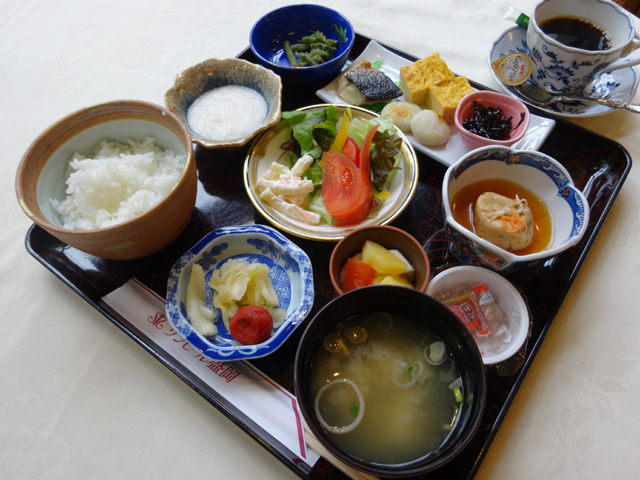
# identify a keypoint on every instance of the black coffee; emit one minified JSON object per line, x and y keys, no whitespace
{"x":577,"y":32}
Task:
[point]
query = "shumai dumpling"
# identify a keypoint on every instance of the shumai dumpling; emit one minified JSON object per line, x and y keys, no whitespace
{"x":505,"y":222}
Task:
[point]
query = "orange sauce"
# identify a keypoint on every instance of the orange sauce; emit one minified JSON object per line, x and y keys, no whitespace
{"x":464,"y":202}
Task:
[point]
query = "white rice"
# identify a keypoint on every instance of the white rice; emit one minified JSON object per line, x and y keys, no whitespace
{"x":116,"y":184}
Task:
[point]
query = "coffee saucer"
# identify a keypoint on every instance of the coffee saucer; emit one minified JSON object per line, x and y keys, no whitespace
{"x":620,"y":85}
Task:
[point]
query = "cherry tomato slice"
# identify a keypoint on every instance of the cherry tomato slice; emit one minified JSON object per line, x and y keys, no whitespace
{"x":251,"y":325}
{"x":351,"y":150}
{"x":357,"y":274}
{"x":347,"y":198}
{"x":346,"y":189}
{"x":365,"y":167}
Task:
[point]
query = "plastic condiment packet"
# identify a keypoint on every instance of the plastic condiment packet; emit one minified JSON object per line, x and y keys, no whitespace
{"x":515,"y":15}
{"x":513,"y":69}
{"x":468,"y":310}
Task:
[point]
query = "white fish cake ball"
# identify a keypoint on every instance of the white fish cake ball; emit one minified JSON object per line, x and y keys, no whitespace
{"x":401,"y":113}
{"x":430,"y":128}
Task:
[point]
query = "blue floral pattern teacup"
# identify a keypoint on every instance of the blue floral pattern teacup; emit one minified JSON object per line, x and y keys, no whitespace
{"x":558,"y":68}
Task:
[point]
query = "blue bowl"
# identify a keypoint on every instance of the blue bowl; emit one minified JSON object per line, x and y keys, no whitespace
{"x":292,"y":23}
{"x":290,"y":272}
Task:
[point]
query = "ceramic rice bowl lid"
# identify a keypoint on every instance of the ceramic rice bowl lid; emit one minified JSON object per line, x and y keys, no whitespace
{"x":290,"y":273}
{"x":539,"y":173}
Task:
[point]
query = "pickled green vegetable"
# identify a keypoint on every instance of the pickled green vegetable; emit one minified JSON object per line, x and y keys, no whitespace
{"x":314,"y":49}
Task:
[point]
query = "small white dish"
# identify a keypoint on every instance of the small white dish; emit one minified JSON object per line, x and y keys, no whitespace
{"x":290,"y":272}
{"x":620,"y":85}
{"x":506,"y":297}
{"x":449,"y":153}
{"x":266,"y":149}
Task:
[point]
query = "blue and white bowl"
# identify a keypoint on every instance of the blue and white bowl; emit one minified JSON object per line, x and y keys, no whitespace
{"x":538,"y":172}
{"x":290,"y":272}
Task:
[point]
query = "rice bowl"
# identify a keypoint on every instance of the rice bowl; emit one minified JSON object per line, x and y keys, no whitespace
{"x":42,"y":172}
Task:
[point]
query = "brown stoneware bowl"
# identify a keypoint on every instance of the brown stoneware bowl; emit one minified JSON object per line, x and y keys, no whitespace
{"x":42,"y":172}
{"x":391,"y":238}
{"x":220,"y":72}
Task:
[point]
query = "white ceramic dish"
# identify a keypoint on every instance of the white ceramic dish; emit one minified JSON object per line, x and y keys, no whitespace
{"x":290,"y":272}
{"x":506,"y":297}
{"x":449,"y":153}
{"x":266,"y":150}
{"x":620,"y":85}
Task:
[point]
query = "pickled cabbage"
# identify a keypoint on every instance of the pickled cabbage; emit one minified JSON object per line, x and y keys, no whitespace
{"x":238,"y":283}
{"x":201,"y":317}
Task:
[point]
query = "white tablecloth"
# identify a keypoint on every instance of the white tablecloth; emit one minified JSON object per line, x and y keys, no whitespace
{"x":79,"y":399}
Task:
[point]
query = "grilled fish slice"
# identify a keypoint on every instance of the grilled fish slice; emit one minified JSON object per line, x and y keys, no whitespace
{"x":362,"y":84}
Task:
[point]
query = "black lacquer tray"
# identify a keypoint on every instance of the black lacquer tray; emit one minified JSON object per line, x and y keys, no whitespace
{"x":597,"y":165}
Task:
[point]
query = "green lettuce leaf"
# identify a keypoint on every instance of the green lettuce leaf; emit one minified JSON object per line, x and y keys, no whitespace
{"x":303,"y":124}
{"x":317,"y":206}
{"x":360,"y":126}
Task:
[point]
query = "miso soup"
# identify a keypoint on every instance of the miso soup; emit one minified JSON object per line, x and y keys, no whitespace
{"x":385,"y":388}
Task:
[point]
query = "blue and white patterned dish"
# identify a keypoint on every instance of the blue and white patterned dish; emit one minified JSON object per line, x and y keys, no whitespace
{"x":290,"y":272}
{"x":537,"y":172}
{"x":620,"y":85}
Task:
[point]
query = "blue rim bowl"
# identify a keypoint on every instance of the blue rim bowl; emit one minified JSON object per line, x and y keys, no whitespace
{"x":541,"y":174}
{"x":292,"y":23}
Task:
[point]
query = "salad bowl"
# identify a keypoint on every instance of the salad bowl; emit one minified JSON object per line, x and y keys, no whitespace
{"x":266,"y":149}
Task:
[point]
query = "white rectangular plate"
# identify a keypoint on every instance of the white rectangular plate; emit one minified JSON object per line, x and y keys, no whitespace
{"x":450,"y":152}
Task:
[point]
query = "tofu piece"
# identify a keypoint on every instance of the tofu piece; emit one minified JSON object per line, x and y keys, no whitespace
{"x":489,"y":211}
{"x":416,"y":79}
{"x":445,"y":98}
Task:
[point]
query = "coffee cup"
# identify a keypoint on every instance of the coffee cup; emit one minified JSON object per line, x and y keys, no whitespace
{"x":561,"y":34}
